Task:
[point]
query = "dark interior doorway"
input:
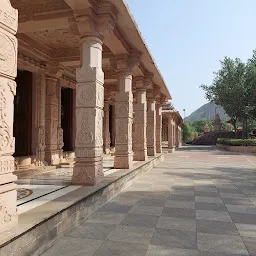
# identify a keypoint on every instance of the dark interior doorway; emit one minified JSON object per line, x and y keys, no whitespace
{"x":67,"y":118}
{"x":22,"y":126}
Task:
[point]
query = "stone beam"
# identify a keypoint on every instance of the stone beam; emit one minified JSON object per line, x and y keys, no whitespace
{"x":42,"y":22}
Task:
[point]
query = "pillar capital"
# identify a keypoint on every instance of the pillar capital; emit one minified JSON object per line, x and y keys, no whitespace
{"x":54,"y":70}
{"x":95,"y":21}
{"x":126,"y":63}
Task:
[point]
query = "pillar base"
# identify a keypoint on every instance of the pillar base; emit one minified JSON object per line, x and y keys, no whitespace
{"x":52,"y":157}
{"x":8,"y":210}
{"x":158,"y":149}
{"x":140,"y":155}
{"x":123,"y":162}
{"x":87,"y":173}
{"x":151,"y":152}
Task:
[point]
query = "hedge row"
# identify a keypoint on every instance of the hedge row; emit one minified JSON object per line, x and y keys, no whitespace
{"x":236,"y":142}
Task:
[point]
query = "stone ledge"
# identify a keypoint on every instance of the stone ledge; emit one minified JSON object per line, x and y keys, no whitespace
{"x":242,"y":149}
{"x":42,"y":226}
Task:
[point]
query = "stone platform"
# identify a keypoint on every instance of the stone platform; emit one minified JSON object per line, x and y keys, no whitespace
{"x":45,"y":219}
{"x":56,"y":176}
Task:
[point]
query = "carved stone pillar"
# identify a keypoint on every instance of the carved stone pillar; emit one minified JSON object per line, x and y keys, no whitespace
{"x":60,"y":144}
{"x":170,"y":133}
{"x":8,"y":72}
{"x":151,"y":123}
{"x":40,"y":143}
{"x":52,"y":121}
{"x":124,"y":112}
{"x":140,"y":121}
{"x":158,"y":128}
{"x":88,"y":168}
{"x":106,"y":133}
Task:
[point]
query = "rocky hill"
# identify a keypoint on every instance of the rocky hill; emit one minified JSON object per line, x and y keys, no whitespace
{"x":206,"y":112}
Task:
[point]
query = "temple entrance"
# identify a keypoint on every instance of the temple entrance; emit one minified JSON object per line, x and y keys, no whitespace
{"x":67,"y":118}
{"x":22,"y":127}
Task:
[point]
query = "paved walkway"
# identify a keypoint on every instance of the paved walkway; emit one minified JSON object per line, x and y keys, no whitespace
{"x":198,"y":202}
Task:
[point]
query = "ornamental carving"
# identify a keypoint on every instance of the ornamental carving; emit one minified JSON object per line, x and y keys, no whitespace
{"x":85,"y":135}
{"x":85,"y":95}
{"x":121,"y":134}
{"x":6,"y":165}
{"x":8,"y":15}
{"x":8,"y":55}
{"x":82,"y":174}
{"x":7,"y":210}
{"x":122,"y":110}
{"x":40,"y":154}
{"x":60,"y":138}
{"x":99,"y":124}
{"x":6,"y":139}
{"x":100,"y":96}
{"x":89,"y":74}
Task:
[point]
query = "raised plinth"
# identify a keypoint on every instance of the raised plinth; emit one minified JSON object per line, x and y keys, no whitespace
{"x":40,"y":227}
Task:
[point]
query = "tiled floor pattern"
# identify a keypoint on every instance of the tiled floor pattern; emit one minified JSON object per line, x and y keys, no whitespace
{"x":198,"y":202}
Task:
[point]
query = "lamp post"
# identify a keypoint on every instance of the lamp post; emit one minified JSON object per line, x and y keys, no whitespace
{"x":184,"y":110}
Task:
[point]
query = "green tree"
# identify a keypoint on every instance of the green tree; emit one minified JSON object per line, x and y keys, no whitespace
{"x":188,"y":132}
{"x":228,"y":89}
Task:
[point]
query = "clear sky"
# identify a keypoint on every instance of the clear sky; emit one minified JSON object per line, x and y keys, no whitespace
{"x":187,"y":38}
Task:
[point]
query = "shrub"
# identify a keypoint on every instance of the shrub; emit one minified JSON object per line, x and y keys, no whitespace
{"x":236,"y":142}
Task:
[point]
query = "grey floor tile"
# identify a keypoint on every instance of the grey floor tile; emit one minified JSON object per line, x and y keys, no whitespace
{"x":131,"y":234}
{"x":177,"y":223}
{"x":232,"y":195}
{"x":210,"y":206}
{"x":179,"y":213}
{"x":247,"y":230}
{"x":216,"y":227}
{"x":205,"y":199}
{"x":237,"y":201}
{"x":140,"y":220}
{"x":117,"y":248}
{"x":250,"y":245}
{"x":151,"y":202}
{"x":174,"y":238}
{"x":181,"y":198}
{"x":206,"y":193}
{"x":180,"y":204}
{"x":73,"y":247}
{"x":213,"y":215}
{"x":221,"y":243}
{"x":167,"y":251}
{"x":98,"y":231}
{"x":107,"y":217}
{"x":116,"y":208}
{"x":148,"y":210}
{"x":182,"y":192}
{"x":205,"y":253}
{"x":243,"y":218}
{"x":205,"y":189}
{"x":241,"y":209}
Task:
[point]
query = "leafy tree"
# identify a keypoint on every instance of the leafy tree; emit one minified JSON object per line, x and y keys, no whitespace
{"x":228,"y":89}
{"x":189,"y":132}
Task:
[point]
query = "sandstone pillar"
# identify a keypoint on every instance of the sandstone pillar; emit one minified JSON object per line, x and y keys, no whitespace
{"x":40,"y":113}
{"x":151,"y":123}
{"x":106,"y":133}
{"x":158,"y":128}
{"x":88,"y":169}
{"x":124,"y":111}
{"x":8,"y":72}
{"x":140,"y":122}
{"x":170,"y":133}
{"x":52,"y":120}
